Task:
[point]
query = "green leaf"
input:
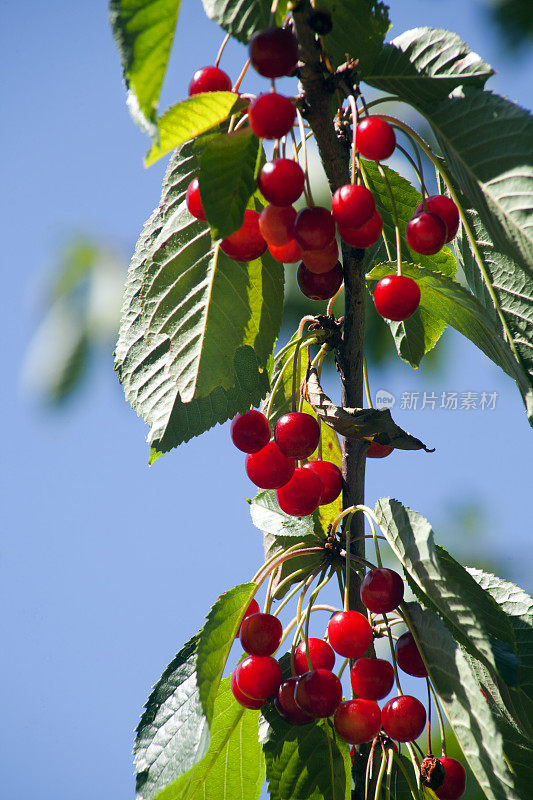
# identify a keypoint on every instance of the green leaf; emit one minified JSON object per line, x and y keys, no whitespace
{"x":424,"y":65}
{"x":188,"y":119}
{"x":228,"y":167}
{"x":143,"y":31}
{"x":242,"y":18}
{"x":173,"y":733}
{"x":233,"y":766}
{"x":358,"y":30}
{"x":269,"y":518}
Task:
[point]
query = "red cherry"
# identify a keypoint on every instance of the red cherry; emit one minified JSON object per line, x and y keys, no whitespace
{"x":375,"y":139}
{"x":273,"y":52}
{"x":253,"y":608}
{"x":377,"y":450}
{"x":250,"y":432}
{"x":321,"y":261}
{"x":241,"y":698}
{"x":281,"y":181}
{"x":445,"y":208}
{"x":193,"y":200}
{"x":372,"y":678}
{"x":287,"y":253}
{"x":314,"y":228}
{"x":271,"y":115}
{"x":396,"y":297}
{"x":297,"y":434}
{"x":349,"y":634}
{"x":286,"y":705}
{"x":246,"y":243}
{"x":366,"y":235}
{"x":209,"y":79}
{"x":454,"y":779}
{"x":269,"y":468}
{"x":318,"y":692}
{"x":320,"y":653}
{"x":403,"y":718}
{"x":300,"y":496}
{"x":408,"y":656}
{"x":353,"y":206}
{"x":331,"y":478}
{"x":357,"y":721}
{"x":261,"y":634}
{"x":426,"y":233}
{"x":382,"y":590}
{"x":258,"y":677}
{"x":276,"y":224}
{"x":319,"y":287}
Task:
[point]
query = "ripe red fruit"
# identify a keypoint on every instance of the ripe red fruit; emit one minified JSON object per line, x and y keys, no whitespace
{"x":250,"y":431}
{"x":372,"y":678}
{"x":377,"y":450}
{"x":320,"y":653}
{"x":403,"y":718}
{"x":209,"y":79}
{"x":321,"y":261}
{"x":314,"y":228}
{"x":241,"y":698}
{"x":276,"y":224}
{"x":273,"y":52}
{"x":253,"y":608}
{"x":357,"y":721}
{"x":408,"y":656}
{"x":375,"y":139}
{"x":297,"y":434}
{"x":319,"y":287}
{"x":396,"y":297}
{"x":445,"y":208}
{"x":349,"y":634}
{"x":286,"y":705}
{"x":258,"y":677}
{"x":382,"y":590}
{"x":261,"y":634}
{"x":193,"y":200}
{"x":287,"y":253}
{"x":301,"y":495}
{"x":366,"y":235}
{"x":269,"y":468}
{"x":281,"y":181}
{"x":454,"y":779}
{"x":426,"y":233}
{"x":331,"y":478}
{"x":318,"y":692}
{"x":353,"y":206}
{"x":246,"y":243}
{"x":271,"y":115}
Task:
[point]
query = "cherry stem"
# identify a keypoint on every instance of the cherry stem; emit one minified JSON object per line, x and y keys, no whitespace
{"x":439,"y":716}
{"x":222,"y":46}
{"x":273,"y":9}
{"x":395,"y":218}
{"x":312,"y":599}
{"x":244,"y":70}
{"x":381,"y":774}
{"x":289,"y":579}
{"x":417,"y":168}
{"x":343,"y":667}
{"x":326,"y":727}
{"x":303,"y":144}
{"x":307,"y":339}
{"x":268,"y":598}
{"x":405,"y":774}
{"x":295,"y":374}
{"x":275,"y":562}
{"x":367,"y":386}
{"x":353,"y":106}
{"x":390,"y":761}
{"x":429,"y":719}
{"x":385,"y":242}
{"x":329,"y":309}
{"x":390,"y":98}
{"x":369,"y":765}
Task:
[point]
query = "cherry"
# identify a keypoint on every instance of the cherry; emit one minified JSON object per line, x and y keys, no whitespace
{"x":375,"y":139}
{"x":353,"y":206}
{"x":320,"y":261}
{"x":269,"y":468}
{"x":372,"y":678}
{"x":331,"y":478}
{"x":246,"y":243}
{"x":297,"y":434}
{"x":408,"y":656}
{"x":319,"y":287}
{"x":377,"y":450}
{"x":273,"y":52}
{"x":286,"y":705}
{"x":396,"y":297}
{"x":193,"y":200}
{"x":366,"y":235}
{"x":403,"y":718}
{"x":314,"y":228}
{"x":287,"y":253}
{"x":320,"y":654}
{"x":250,"y":431}
{"x":382,"y":590}
{"x":349,"y":634}
{"x":261,"y":634}
{"x":271,"y":115}
{"x":426,"y":233}
{"x":276,"y":224}
{"x":445,"y":208}
{"x":318,"y":692}
{"x":320,"y":21}
{"x":301,"y":495}
{"x":209,"y":79}
{"x":357,"y":721}
{"x":281,"y":181}
{"x":241,"y":698}
{"x":253,"y":608}
{"x":258,"y":677}
{"x":454,"y":779}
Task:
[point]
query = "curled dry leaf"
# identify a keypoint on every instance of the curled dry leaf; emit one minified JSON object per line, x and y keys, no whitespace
{"x":358,"y":423}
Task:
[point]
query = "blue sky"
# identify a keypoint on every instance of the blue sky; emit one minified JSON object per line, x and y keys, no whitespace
{"x":107,"y":566}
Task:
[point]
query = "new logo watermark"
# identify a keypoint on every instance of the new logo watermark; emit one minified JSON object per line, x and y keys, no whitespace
{"x":384,"y":399}
{"x":447,"y":401}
